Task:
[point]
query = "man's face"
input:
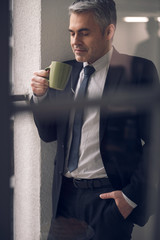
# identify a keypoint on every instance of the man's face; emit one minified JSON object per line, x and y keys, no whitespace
{"x":86,"y":38}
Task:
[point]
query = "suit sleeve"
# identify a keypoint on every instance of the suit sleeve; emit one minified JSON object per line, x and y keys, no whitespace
{"x":46,"y":126}
{"x":139,"y":184}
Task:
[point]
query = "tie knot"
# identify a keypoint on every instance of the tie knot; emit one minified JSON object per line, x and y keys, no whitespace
{"x":89,"y":70}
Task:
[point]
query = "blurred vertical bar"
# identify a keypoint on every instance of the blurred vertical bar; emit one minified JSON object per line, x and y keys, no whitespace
{"x":5,"y":210}
{"x":155,"y":154}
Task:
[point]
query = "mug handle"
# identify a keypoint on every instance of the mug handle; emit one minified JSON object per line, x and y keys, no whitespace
{"x":48,"y":69}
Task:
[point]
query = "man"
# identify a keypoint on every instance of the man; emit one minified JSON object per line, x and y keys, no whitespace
{"x":106,"y":188}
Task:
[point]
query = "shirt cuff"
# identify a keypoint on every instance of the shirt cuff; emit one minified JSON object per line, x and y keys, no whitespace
{"x":37,"y":99}
{"x":130,"y":202}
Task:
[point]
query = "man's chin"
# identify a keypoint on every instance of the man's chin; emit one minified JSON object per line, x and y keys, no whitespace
{"x":80,"y":59}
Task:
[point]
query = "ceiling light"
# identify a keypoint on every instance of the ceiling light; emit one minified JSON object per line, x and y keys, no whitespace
{"x":136,"y":19}
{"x":158,"y":19}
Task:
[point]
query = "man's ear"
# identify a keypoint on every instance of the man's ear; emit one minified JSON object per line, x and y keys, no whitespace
{"x":109,"y":32}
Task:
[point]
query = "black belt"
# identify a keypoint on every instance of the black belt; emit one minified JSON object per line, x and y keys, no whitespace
{"x":89,"y":183}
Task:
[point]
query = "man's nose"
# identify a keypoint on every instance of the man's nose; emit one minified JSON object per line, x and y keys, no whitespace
{"x":76,"y":40}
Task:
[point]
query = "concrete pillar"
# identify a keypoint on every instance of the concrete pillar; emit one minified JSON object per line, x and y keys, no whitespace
{"x":27,"y":58}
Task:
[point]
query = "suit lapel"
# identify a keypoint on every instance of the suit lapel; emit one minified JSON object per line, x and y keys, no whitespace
{"x":113,"y":80}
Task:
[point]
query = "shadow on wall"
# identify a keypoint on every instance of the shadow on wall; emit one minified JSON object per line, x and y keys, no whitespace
{"x":150,"y":48}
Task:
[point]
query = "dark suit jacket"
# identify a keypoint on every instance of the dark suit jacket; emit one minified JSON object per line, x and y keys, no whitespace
{"x":124,"y":157}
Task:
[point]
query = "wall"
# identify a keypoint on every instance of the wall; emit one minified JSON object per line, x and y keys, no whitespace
{"x":55,"y":35}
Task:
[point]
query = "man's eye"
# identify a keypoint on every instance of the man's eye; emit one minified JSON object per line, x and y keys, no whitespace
{"x":84,"y":34}
{"x":71,"y":33}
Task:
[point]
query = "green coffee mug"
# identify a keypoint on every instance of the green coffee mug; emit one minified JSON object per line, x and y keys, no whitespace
{"x":59,"y":74}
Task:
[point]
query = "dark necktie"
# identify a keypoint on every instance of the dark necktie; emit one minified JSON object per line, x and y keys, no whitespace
{"x":78,"y":121}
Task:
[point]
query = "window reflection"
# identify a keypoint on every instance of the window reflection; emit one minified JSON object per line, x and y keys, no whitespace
{"x":150,"y":47}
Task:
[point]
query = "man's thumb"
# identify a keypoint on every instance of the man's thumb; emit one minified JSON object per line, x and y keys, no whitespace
{"x":106,"y":195}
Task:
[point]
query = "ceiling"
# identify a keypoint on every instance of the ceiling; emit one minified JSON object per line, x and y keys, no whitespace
{"x":139,"y":7}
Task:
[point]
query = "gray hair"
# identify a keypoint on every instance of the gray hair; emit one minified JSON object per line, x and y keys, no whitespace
{"x":104,"y":11}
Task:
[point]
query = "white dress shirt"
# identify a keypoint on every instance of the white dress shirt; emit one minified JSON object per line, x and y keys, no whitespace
{"x":90,"y":163}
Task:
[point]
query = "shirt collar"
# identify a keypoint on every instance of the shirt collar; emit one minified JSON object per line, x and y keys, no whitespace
{"x":101,"y":62}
